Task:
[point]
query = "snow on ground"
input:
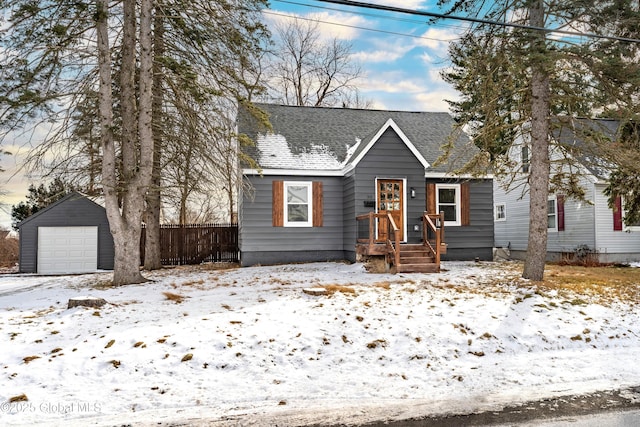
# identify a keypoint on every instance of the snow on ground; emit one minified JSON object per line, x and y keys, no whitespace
{"x":247,"y":346}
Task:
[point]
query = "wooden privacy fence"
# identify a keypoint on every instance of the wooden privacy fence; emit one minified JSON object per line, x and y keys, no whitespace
{"x":183,"y":244}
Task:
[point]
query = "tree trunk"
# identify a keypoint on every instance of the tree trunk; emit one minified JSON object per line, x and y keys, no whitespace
{"x":539,"y":174}
{"x":152,"y":252}
{"x":137,"y":144}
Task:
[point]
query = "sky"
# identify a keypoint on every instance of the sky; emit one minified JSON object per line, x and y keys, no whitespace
{"x":401,"y":56}
{"x":248,"y":346}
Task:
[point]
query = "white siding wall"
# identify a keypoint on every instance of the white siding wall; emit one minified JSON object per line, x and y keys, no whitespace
{"x":613,"y":246}
{"x":513,"y":232}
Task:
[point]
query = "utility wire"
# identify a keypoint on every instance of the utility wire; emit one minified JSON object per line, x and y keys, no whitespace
{"x":372,"y":15}
{"x":269,"y":12}
{"x":474,"y":20}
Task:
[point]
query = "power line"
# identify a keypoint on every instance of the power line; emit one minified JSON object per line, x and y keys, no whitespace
{"x":372,"y":15}
{"x":268,"y":12}
{"x":474,"y":20}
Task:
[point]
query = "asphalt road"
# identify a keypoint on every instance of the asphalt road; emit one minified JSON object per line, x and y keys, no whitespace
{"x":618,"y":408}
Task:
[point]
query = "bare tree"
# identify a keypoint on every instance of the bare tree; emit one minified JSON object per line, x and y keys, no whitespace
{"x":305,"y":69}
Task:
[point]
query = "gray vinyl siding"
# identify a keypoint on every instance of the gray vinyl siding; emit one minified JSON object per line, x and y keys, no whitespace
{"x":349,"y":215}
{"x":476,"y":239}
{"x":73,"y":210}
{"x":390,"y":158}
{"x":262,"y":243}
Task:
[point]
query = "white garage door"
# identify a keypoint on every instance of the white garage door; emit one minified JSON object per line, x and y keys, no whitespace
{"x":63,"y":250}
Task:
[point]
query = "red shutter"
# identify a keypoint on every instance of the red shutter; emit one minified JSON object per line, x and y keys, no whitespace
{"x":560,"y":207}
{"x":617,"y":214}
{"x":277,"y":208}
{"x":317,"y":203}
{"x":465,"y":201}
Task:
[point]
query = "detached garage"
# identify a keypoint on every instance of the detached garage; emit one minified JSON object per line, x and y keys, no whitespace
{"x":70,"y":236}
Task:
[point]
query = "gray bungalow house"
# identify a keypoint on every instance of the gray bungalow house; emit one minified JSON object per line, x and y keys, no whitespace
{"x":336,"y":183}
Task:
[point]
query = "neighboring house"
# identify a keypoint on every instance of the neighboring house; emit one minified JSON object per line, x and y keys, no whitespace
{"x":323,"y":167}
{"x":576,"y":228}
{"x":69,"y":236}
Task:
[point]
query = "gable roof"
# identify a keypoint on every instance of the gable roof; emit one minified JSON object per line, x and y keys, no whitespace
{"x":75,"y":195}
{"x":580,"y":133}
{"x":336,"y":139}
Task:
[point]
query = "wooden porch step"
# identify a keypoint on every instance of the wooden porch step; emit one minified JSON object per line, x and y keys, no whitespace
{"x":417,"y":268}
{"x":415,"y":258}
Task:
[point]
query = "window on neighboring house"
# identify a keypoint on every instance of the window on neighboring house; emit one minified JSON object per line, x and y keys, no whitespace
{"x":631,"y":227}
{"x":448,"y":201}
{"x":526,"y":161}
{"x":552,"y":215}
{"x":500,"y":212}
{"x":298,"y":204}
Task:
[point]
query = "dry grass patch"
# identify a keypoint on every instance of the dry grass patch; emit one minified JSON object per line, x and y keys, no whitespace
{"x":20,"y":398}
{"x":605,"y":281}
{"x":384,"y":285}
{"x":177,"y":298}
{"x":29,"y":359}
{"x":195,"y":283}
{"x":332,"y":289}
{"x":602,"y":284}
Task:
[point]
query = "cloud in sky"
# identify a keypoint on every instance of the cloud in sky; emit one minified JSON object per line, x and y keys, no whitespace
{"x":400,"y":55}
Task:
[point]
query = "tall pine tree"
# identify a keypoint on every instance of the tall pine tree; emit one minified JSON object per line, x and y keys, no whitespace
{"x":519,"y":87}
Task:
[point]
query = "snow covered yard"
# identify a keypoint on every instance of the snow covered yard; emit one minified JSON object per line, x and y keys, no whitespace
{"x":247,"y":346}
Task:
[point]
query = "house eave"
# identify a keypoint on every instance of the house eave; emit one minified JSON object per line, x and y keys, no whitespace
{"x":446,"y":175}
{"x":293,"y":172}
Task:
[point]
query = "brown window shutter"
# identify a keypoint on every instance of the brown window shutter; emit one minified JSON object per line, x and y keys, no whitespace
{"x":465,"y":201}
{"x":617,"y":214}
{"x":560,"y":208}
{"x":277,"y":188}
{"x":317,"y":203}
{"x":431,"y":199}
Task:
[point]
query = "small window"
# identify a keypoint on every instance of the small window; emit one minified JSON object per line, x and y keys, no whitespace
{"x":631,"y":227}
{"x":552,"y":215}
{"x":500,"y":212}
{"x":448,"y":201}
{"x":297,"y":204}
{"x":526,"y":161}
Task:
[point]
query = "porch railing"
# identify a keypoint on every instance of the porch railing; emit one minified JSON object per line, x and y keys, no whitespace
{"x":433,"y":234}
{"x":392,"y":240}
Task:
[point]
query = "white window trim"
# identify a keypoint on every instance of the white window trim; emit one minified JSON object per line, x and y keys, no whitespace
{"x":309,"y":222}
{"x":458,"y":221}
{"x":626,"y":227}
{"x":555,"y":204}
{"x":495,"y":212}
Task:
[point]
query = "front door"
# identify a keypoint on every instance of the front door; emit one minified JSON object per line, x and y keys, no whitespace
{"x":390,"y":200}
